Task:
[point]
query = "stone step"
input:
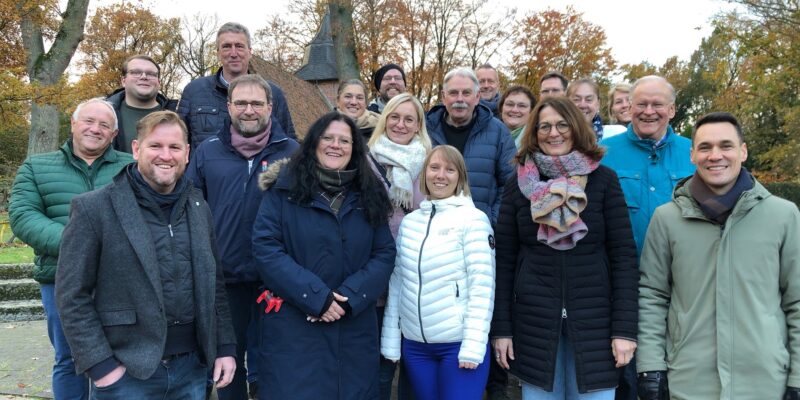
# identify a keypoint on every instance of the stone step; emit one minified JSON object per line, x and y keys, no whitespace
{"x":21,"y":310}
{"x":19,"y":289}
{"x":16,"y":271}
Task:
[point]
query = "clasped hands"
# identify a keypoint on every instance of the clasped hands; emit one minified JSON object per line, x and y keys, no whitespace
{"x":334,"y":312}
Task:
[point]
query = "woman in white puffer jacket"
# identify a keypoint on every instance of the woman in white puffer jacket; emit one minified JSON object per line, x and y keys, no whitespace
{"x":441,"y":293}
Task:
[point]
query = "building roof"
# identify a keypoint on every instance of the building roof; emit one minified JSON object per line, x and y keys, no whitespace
{"x":319,"y":62}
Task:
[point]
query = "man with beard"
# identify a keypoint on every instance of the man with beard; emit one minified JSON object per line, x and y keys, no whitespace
{"x":389,"y":80}
{"x":139,"y":286}
{"x":226,"y":168}
{"x":137,"y":97}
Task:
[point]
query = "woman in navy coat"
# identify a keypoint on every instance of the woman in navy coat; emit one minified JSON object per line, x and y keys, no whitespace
{"x":322,"y":244}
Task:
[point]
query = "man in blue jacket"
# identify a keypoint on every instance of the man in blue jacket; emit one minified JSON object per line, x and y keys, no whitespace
{"x":226,"y":168}
{"x":482,"y":139}
{"x":203,"y":105}
{"x":650,"y":158}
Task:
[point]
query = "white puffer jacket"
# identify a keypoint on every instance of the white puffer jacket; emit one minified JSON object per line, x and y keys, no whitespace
{"x":442,"y":287}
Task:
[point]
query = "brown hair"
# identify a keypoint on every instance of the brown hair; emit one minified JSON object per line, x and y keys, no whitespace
{"x":573,"y":86}
{"x":146,"y":125}
{"x":584,"y":139}
{"x":451,"y":155}
{"x":139,"y":57}
{"x":514,"y":89}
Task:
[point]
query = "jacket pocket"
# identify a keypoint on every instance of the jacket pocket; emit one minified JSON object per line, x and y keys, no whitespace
{"x":205,"y":119}
{"x":118,"y":317}
{"x":676,"y":175}
{"x":631,"y":183}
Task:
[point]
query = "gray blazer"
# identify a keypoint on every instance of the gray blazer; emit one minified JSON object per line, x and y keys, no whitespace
{"x":108,"y":284}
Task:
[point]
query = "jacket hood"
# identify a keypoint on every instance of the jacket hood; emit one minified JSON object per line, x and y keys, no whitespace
{"x":451,"y":202}
{"x":690,"y":209}
{"x":270,"y":176}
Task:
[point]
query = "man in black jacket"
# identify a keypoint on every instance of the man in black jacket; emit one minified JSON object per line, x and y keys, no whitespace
{"x":137,"y":97}
{"x":139,"y":283}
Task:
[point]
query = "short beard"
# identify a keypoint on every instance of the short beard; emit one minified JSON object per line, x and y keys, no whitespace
{"x":250,"y":132}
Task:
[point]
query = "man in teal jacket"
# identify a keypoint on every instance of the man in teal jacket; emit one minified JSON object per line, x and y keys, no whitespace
{"x":719,"y":292}
{"x":39,"y":208}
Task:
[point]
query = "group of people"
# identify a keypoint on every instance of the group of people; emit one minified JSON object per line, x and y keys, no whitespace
{"x":495,"y":233}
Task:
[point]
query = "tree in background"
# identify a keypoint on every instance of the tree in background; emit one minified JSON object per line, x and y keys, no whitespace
{"x":197,"y":51}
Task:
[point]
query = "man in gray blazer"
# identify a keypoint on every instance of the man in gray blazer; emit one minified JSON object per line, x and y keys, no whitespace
{"x":139,"y":283}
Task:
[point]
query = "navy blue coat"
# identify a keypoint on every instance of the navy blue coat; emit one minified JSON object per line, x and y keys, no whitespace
{"x":304,"y":251}
{"x":204,"y":108}
{"x":488,"y":155}
{"x":230,"y":186}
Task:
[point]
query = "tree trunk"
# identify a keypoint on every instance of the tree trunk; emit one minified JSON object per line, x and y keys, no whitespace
{"x":343,"y":42}
{"x":45,"y":69}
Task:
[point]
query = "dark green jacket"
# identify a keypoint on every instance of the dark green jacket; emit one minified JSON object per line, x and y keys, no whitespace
{"x":43,"y":189}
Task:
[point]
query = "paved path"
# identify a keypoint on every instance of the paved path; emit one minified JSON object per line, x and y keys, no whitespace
{"x":26,"y":360}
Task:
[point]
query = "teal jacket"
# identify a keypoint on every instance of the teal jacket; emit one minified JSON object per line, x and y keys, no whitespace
{"x":40,"y":199}
{"x":647,"y":173}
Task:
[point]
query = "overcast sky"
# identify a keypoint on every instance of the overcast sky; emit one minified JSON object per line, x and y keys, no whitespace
{"x":637,"y":30}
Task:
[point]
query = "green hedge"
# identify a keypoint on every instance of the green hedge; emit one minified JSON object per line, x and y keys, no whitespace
{"x":788,"y":190}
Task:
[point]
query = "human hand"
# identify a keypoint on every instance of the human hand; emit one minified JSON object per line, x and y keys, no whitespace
{"x":622,"y":349}
{"x":467,"y":365}
{"x":111,"y":377}
{"x":224,"y":368}
{"x":335,"y":311}
{"x":503,"y":351}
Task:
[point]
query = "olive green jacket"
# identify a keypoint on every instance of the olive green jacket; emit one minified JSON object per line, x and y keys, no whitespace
{"x":719,"y":306}
{"x":40,"y":198}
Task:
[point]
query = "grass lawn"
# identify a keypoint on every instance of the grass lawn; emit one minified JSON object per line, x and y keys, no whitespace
{"x":16,"y":252}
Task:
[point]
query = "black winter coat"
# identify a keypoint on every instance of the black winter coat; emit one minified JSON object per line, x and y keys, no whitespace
{"x":595,"y":283}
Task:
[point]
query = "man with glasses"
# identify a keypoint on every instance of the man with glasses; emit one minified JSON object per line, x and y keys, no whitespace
{"x":226,"y":169}
{"x":203,"y":104}
{"x":138,"y":96}
{"x":483,"y":140}
{"x":552,"y":84}
{"x":650,"y":158}
{"x":489,"y":81}
{"x":389,"y":81}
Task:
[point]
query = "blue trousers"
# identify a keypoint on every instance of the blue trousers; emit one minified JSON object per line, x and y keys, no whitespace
{"x":179,"y":378}
{"x":66,"y":384}
{"x":565,"y":384}
{"x":244,"y":309}
{"x":434,"y":373}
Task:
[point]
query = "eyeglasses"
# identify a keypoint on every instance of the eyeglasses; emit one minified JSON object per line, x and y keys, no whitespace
{"x":343,"y":142}
{"x":241,"y":105}
{"x":658,"y":107}
{"x":138,"y":73}
{"x":520,"y":105}
{"x":389,"y":78}
{"x":561,"y":127}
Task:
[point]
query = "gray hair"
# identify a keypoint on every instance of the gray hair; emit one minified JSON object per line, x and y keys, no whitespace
{"x":99,"y":100}
{"x":654,"y":78}
{"x":234,"y":27}
{"x":464,"y":73}
{"x":250,"y":80}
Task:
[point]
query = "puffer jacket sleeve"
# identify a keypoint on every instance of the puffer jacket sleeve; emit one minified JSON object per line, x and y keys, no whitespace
{"x":185,"y":107}
{"x":279,"y":271}
{"x":195,"y":171}
{"x":390,"y":333}
{"x":507,"y":249}
{"x":28,"y":217}
{"x":621,"y":251}
{"x":654,"y":296}
{"x":789,"y":282}
{"x":479,"y":260}
{"x":503,"y":168}
{"x":281,"y":112}
{"x":363,"y":287}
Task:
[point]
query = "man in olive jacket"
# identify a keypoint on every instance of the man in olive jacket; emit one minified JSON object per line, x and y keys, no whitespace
{"x":719,"y":292}
{"x":39,"y":207}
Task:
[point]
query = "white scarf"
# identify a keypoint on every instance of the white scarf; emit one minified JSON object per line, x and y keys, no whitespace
{"x":403,"y":164}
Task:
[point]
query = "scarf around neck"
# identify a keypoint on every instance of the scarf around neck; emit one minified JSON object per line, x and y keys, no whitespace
{"x":248,"y":147}
{"x":556,"y":203}
{"x":719,"y":207}
{"x":403,"y":164}
{"x":334,"y":183}
{"x":597,"y":125}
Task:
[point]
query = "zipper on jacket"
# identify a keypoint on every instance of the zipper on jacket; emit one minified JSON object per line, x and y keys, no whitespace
{"x":419,"y":272}
{"x":456,"y":289}
{"x":563,"y":289}
{"x":170,"y":230}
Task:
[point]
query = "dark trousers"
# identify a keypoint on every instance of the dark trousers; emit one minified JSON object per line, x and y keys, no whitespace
{"x":498,"y":377}
{"x":179,"y":378}
{"x":242,"y":302}
{"x":627,"y":382}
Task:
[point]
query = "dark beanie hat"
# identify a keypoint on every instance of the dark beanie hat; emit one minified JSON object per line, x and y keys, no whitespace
{"x":377,"y":77}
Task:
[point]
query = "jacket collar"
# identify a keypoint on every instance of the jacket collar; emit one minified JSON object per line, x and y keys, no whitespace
{"x":690,"y":209}
{"x":277,"y":135}
{"x":648,"y":144}
{"x":446,"y":204}
{"x":118,"y":97}
{"x":437,"y":115}
{"x":110,"y":155}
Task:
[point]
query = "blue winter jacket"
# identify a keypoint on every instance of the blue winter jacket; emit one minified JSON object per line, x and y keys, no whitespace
{"x":204,"y":108}
{"x":488,"y":155}
{"x":230,"y":186}
{"x":647,"y":173}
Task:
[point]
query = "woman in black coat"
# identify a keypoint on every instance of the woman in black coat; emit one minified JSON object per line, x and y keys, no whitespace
{"x":566,"y":307}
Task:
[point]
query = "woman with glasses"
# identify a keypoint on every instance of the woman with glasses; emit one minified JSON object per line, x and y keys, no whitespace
{"x":323,"y":248}
{"x":351,"y":100}
{"x":515,"y":109}
{"x":565,"y":313}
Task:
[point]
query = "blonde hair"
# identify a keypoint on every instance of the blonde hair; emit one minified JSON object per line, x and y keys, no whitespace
{"x":451,"y":155}
{"x":396,"y":101}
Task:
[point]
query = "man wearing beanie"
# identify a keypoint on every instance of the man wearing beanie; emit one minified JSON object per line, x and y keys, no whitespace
{"x":389,"y":80}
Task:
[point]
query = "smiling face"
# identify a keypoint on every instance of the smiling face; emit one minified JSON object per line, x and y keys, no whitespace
{"x":553,"y":142}
{"x":489,"y":82}
{"x":585,"y":98}
{"x":392,"y":84}
{"x":460,"y":99}
{"x":254,"y":117}
{"x":352,"y":101}
{"x":93,"y":130}
{"x":516,"y":110}
{"x":234,"y":53}
{"x":402,"y":123}
{"x":621,"y":107}
{"x":441,"y":177}
{"x":652,"y":108}
{"x":141,"y":81}
{"x":335,"y":146}
{"x":718,"y":154}
{"x":162,"y":157}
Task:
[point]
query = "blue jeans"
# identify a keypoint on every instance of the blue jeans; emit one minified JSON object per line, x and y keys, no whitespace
{"x":435,"y":375}
{"x":565,"y":384}
{"x":66,"y":384}
{"x":244,"y":309}
{"x":182,"y":377}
